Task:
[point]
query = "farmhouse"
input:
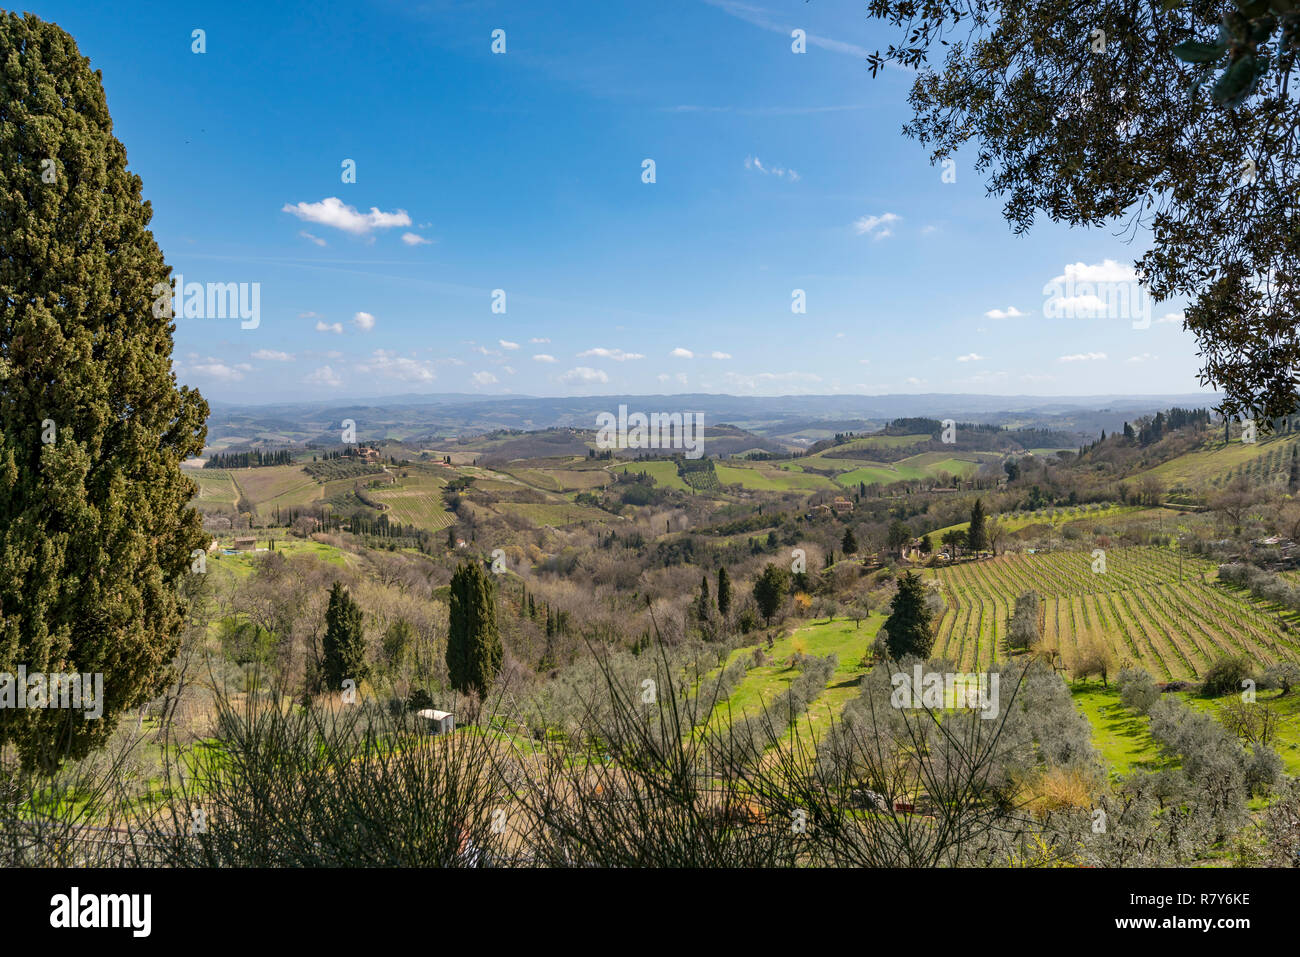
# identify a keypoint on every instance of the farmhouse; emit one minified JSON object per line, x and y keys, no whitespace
{"x":841,"y":505}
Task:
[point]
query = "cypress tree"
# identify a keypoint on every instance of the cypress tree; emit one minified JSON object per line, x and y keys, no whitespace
{"x":96,"y":534}
{"x":724,"y":591}
{"x":976,"y":537}
{"x":344,"y":645}
{"x":908,"y":629}
{"x":702,"y":602}
{"x":474,"y":651}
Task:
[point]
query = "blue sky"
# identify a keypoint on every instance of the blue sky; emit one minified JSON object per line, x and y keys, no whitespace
{"x":523,"y":171}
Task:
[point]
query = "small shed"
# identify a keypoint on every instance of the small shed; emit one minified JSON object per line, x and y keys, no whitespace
{"x":246,"y":544}
{"x":437,"y":722}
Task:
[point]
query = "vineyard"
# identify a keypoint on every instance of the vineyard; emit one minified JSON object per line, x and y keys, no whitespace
{"x":1166,"y":616}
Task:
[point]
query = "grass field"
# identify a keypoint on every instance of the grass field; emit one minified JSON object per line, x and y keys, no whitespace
{"x":566,"y":480}
{"x":1062,"y":516}
{"x":663,"y":473}
{"x":1203,"y":467}
{"x":554,"y":513}
{"x":766,"y":478}
{"x":1138,"y":608}
{"x":216,"y":488}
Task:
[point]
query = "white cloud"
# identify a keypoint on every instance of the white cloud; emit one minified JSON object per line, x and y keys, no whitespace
{"x":970,"y":357}
{"x":721,"y":355}
{"x":618,"y":355}
{"x":333,"y":212}
{"x":508,"y":345}
{"x":414,"y":239}
{"x":753,"y":162}
{"x":1011,"y":312}
{"x":216,"y":369}
{"x":1094,"y":291}
{"x":484,"y":378}
{"x":543,"y":357}
{"x":584,"y":375}
{"x":1145,"y":357}
{"x":878,"y":226}
{"x":325,"y":375}
{"x":334,"y":327}
{"x":1083,"y":357}
{"x":386,"y":364}
{"x":538,"y":342}
{"x":316,"y":239}
{"x":271,"y":355}
{"x":364,"y":321}
{"x":680,"y":353}
{"x":1170,"y":317}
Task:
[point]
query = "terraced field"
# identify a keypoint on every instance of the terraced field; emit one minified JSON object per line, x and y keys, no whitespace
{"x":1139,"y":607}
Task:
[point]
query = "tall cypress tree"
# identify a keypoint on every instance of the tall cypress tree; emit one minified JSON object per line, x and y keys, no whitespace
{"x":344,"y":646}
{"x":977,"y":538}
{"x":474,"y":651}
{"x":96,"y":535}
{"x":702,"y":602}
{"x":724,"y":591}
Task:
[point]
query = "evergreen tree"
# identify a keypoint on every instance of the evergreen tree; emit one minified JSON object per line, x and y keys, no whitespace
{"x":926,"y":545}
{"x":976,"y":536}
{"x":770,"y":590}
{"x":849,"y":544}
{"x":474,"y":650}
{"x":344,"y":646}
{"x":909,"y":629}
{"x":702,"y":603}
{"x":724,"y":591}
{"x":96,"y":533}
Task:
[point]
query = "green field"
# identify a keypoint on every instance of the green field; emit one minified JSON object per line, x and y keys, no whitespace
{"x":1150,"y":609}
{"x":1213,"y":464}
{"x":415,"y":500}
{"x":554,"y":514}
{"x":663,"y":473}
{"x":216,"y":488}
{"x":765,"y":478}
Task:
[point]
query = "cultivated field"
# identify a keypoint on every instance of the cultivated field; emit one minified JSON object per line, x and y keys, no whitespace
{"x":1173,"y":625}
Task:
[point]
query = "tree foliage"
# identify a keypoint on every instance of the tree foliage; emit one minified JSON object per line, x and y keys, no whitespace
{"x":344,"y":646}
{"x":96,"y":534}
{"x":909,"y":627}
{"x":474,"y":652}
{"x":1169,"y":119}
